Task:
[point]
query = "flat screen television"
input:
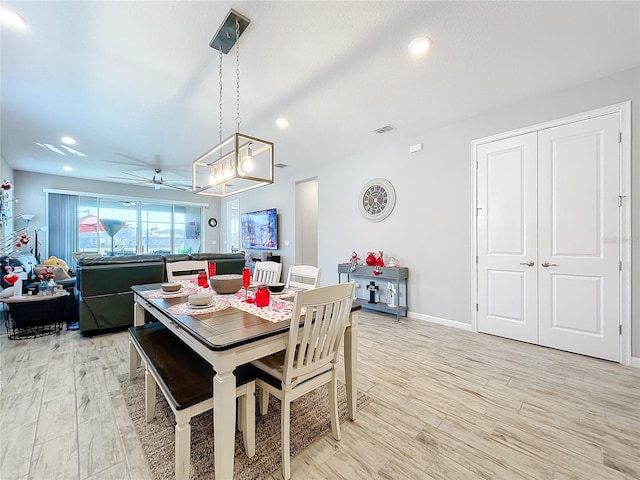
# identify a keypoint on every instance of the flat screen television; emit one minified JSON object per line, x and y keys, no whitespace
{"x":260,"y":230}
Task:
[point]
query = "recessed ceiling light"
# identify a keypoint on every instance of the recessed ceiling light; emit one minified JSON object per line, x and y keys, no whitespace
{"x":68,"y":141}
{"x":282,"y":122}
{"x":67,"y":168}
{"x":12,"y":19}
{"x":419,"y":46}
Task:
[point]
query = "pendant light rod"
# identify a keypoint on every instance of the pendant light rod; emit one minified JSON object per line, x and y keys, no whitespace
{"x":241,"y":162}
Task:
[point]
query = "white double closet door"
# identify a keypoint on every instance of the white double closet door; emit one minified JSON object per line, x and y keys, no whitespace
{"x":547,"y":239}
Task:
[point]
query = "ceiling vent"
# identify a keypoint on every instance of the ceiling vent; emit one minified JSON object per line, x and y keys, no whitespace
{"x":385,"y":129}
{"x":280,"y":165}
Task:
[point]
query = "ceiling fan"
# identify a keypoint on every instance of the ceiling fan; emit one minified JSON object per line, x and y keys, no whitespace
{"x":156,"y":180}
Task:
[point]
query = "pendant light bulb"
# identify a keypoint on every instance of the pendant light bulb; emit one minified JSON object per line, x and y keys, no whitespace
{"x":228,"y":170}
{"x":246,"y":162}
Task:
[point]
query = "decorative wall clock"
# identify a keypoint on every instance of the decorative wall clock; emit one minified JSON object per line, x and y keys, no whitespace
{"x":212,"y":222}
{"x":377,"y":199}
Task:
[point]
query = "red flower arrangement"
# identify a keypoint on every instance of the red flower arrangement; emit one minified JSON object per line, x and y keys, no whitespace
{"x":22,"y":240}
{"x":47,"y":274}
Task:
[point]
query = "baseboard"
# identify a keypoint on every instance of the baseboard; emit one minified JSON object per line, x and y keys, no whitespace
{"x":635,"y":362}
{"x":439,"y":321}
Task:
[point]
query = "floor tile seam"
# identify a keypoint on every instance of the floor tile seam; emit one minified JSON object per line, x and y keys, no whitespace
{"x":121,"y":435}
{"x":567,"y":451}
{"x":35,"y":433}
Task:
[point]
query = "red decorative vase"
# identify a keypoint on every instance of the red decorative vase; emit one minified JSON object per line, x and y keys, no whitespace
{"x":262,"y":296}
{"x":371,"y":259}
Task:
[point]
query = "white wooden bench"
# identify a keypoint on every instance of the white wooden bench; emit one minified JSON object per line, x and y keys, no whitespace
{"x":186,"y":381}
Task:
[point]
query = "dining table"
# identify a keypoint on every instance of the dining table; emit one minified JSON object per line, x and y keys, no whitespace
{"x":227,"y":333}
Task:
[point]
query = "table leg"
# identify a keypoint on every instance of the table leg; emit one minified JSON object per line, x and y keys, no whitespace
{"x":134,"y":357}
{"x":138,"y":314}
{"x":351,"y":364}
{"x":224,"y":417}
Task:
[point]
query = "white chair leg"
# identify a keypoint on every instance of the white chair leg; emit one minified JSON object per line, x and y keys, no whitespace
{"x":183,"y":448}
{"x":286,"y":448}
{"x":264,"y":401}
{"x":149,"y":396}
{"x":134,"y":361}
{"x":333,"y":406}
{"x":240,"y":411}
{"x":249,"y":417}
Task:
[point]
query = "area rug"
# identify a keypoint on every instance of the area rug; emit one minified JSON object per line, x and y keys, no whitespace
{"x":309,"y":421}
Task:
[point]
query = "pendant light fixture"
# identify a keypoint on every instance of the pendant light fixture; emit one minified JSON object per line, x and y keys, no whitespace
{"x":239,"y":162}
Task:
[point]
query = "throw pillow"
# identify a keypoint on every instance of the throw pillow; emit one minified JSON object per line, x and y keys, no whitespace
{"x":56,"y":262}
{"x":7,"y":292}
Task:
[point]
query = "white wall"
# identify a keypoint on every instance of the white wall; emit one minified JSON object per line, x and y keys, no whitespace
{"x":430,"y":230}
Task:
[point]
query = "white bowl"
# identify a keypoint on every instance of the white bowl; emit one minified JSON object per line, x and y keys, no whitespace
{"x":170,"y":287}
{"x":200,"y":299}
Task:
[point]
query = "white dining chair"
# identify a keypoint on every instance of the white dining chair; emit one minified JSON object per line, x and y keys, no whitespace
{"x":267,"y":272}
{"x":303,"y":277}
{"x":310,"y":358}
{"x":185,"y":270}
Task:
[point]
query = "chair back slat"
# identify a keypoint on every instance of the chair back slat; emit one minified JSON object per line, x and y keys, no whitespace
{"x":315,"y":336}
{"x":303,"y":277}
{"x":267,"y":272}
{"x":176,"y":270}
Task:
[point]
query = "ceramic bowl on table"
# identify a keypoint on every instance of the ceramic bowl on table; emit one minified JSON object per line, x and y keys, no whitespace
{"x":200,"y":299}
{"x":275,"y":287}
{"x":225,"y":284}
{"x":170,"y":287}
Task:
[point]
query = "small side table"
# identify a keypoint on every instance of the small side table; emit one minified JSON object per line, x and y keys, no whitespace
{"x":31,"y":316}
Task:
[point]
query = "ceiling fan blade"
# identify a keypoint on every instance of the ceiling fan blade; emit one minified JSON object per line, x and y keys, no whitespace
{"x":178,"y":181}
{"x":133,"y":175}
{"x":176,"y":187}
{"x":130,"y":181}
{"x":129,"y":160}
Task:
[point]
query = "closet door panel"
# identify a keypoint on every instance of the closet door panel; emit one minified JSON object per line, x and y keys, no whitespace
{"x":578,"y":178}
{"x":507,"y":298}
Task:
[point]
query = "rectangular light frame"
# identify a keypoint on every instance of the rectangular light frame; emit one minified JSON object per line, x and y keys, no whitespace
{"x":228,"y":154}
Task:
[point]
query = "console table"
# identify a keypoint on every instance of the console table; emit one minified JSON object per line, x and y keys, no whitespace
{"x":397,"y":276}
{"x":31,"y":316}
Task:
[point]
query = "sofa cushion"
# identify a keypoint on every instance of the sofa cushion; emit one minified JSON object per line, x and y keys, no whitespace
{"x":177,"y":257}
{"x":108,"y":260}
{"x":226,"y":263}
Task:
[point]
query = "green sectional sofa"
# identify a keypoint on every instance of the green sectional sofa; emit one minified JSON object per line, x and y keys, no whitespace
{"x":103,"y":284}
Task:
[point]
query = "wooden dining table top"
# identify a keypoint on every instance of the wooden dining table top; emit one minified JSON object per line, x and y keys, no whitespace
{"x":220,"y":330}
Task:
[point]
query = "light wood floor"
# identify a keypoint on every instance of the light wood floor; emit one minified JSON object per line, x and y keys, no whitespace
{"x":447,"y":404}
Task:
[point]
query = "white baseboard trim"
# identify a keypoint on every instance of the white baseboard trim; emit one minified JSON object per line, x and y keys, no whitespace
{"x":635,"y":362}
{"x":440,"y":321}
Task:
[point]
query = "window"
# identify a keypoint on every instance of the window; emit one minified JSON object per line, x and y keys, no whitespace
{"x":112,"y":227}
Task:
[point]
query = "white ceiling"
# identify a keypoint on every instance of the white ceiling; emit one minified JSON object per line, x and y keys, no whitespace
{"x":136,"y":83}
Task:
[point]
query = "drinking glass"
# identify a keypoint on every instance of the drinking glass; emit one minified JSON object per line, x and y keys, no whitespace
{"x":246,"y":281}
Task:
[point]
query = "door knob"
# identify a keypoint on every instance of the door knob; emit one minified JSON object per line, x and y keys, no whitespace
{"x":528,"y":264}
{"x":547,"y":264}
